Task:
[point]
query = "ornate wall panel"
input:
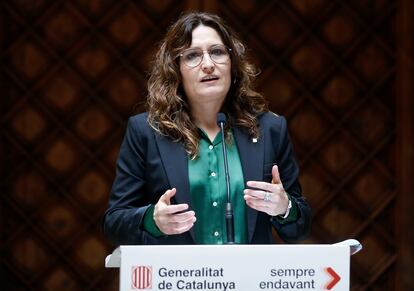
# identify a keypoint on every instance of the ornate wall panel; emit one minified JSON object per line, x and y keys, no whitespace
{"x":73,"y":71}
{"x":329,"y":67}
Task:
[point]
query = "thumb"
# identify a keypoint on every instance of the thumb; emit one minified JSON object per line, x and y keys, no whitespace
{"x":275,"y":175}
{"x":166,"y":197}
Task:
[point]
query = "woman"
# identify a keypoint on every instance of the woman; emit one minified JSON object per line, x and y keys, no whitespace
{"x":170,"y":183}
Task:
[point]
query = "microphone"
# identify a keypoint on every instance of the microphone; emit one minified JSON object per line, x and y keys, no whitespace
{"x":221,"y":121}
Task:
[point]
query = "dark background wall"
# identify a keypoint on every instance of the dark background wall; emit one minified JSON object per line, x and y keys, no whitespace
{"x":73,"y":71}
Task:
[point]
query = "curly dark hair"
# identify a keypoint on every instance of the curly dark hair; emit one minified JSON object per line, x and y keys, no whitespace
{"x":168,"y":110}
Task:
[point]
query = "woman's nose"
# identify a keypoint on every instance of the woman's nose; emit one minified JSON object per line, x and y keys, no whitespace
{"x":207,"y":63}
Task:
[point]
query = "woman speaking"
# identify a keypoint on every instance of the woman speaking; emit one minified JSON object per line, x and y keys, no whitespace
{"x":171,"y":186}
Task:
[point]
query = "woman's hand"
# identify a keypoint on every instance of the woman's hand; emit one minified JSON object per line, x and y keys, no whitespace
{"x":267,"y":197}
{"x":172,"y":219}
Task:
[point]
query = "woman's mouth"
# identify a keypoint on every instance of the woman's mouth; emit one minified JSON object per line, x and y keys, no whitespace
{"x":209,"y":78}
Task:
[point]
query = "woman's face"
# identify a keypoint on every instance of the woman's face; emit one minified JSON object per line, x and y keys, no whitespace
{"x":209,"y":81}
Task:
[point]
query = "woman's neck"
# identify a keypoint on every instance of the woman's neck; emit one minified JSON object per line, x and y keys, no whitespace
{"x":205,"y":117}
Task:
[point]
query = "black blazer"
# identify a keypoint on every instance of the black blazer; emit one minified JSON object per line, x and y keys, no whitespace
{"x":149,"y":164}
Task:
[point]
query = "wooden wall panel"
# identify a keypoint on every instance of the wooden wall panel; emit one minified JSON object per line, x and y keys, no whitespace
{"x":329,"y":66}
{"x":73,"y":71}
{"x":405,"y":133}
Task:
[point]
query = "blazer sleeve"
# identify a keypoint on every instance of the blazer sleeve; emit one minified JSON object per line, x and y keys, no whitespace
{"x":122,"y":222}
{"x":289,"y":175}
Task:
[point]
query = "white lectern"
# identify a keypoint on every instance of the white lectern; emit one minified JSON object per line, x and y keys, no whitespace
{"x":234,"y":267}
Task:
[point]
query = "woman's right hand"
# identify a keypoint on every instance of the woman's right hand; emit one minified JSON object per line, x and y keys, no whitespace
{"x":172,"y":219}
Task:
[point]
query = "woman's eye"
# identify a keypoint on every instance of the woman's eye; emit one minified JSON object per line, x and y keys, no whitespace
{"x":192,"y":55}
{"x":217,"y":52}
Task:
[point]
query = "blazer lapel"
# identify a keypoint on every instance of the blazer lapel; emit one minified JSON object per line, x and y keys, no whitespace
{"x":251,"y":153}
{"x":175,"y":161}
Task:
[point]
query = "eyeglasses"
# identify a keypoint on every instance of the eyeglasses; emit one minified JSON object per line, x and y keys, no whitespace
{"x":192,"y":57}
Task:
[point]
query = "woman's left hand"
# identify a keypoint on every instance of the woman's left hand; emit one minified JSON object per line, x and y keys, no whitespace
{"x":267,"y":197}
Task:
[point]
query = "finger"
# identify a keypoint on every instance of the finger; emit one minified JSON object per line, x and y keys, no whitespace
{"x":184,"y":228}
{"x":257,"y":204}
{"x":166,"y":197}
{"x":259,"y":194}
{"x":262,"y":186}
{"x":182,"y":217}
{"x":177,"y":228}
{"x":274,"y":207}
{"x":172,"y":222}
{"x":260,"y":205}
{"x":172,"y":209}
{"x":275,"y":175}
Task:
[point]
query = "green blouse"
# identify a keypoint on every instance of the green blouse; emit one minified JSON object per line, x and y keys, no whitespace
{"x":208,"y":191}
{"x":208,"y":194}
